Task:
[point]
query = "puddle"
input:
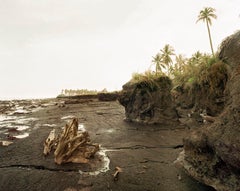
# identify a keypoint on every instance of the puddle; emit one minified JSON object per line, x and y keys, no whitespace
{"x":25,"y":120}
{"x":4,"y":118}
{"x":68,"y":117}
{"x":19,"y":122}
{"x":49,"y":104}
{"x":5,"y":143}
{"x":37,"y":109}
{"x":22,"y":136}
{"x":110,"y":131}
{"x":14,"y":125}
{"x":104,"y":166}
{"x":49,"y":125}
{"x":19,"y":111}
{"x":15,"y":121}
{"x":81,"y":127}
{"x":22,"y":127}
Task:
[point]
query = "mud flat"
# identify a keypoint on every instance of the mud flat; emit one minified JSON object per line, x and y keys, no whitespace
{"x":145,"y":153}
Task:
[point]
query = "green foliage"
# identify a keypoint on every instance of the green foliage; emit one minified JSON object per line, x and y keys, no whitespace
{"x":157,"y":60}
{"x":163,"y":59}
{"x":206,"y":14}
{"x":201,"y":71}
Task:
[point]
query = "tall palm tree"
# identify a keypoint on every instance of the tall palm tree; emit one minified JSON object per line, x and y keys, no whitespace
{"x":166,"y":54}
{"x":206,"y":15}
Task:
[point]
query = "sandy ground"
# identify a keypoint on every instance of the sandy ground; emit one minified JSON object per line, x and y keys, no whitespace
{"x":146,"y":154}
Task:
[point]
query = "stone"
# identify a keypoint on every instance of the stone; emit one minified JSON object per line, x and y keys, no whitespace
{"x":148,"y":102}
{"x":212,"y":154}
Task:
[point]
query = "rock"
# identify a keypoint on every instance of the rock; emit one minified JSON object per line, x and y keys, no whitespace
{"x":148,"y":101}
{"x":113,"y":96}
{"x":211,"y":154}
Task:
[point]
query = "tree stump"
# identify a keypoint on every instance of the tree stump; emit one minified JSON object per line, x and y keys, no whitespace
{"x":72,"y":146}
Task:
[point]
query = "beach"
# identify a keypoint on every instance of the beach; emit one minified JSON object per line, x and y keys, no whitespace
{"x":144,"y":153}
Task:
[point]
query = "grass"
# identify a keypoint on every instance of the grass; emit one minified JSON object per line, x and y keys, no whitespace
{"x":152,"y":81}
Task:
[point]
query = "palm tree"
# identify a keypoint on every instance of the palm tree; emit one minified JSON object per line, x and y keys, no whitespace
{"x":157,"y":60}
{"x":206,"y":15}
{"x":166,"y":54}
{"x":180,"y":62}
{"x":196,"y":58}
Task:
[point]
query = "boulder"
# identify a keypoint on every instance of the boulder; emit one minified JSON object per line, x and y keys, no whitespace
{"x":148,"y":101}
{"x":212,"y":154}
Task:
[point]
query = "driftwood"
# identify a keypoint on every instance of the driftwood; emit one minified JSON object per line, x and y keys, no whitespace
{"x":50,"y":142}
{"x":116,"y":174}
{"x":73,"y":146}
{"x":208,"y":118}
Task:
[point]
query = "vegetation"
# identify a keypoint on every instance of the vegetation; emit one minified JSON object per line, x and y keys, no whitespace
{"x":163,"y":59}
{"x":157,"y":60}
{"x":200,"y":70}
{"x":151,"y":80}
{"x":206,"y":15}
{"x":166,"y":54}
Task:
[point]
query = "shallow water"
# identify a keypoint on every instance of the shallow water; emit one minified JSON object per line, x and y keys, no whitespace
{"x":14,"y":122}
{"x":21,"y":136}
{"x":49,"y":125}
{"x":102,"y":167}
{"x":23,"y":127}
{"x":81,"y":127}
{"x":68,"y":117}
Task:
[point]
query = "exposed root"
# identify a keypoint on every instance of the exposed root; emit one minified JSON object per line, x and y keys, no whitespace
{"x":71,"y":146}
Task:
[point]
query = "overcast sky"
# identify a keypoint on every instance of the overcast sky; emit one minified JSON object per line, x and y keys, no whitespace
{"x":49,"y":45}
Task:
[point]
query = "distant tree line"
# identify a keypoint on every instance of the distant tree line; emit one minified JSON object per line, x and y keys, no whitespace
{"x":72,"y":92}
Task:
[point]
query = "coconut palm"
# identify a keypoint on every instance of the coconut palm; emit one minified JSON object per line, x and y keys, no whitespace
{"x":180,"y":62}
{"x":206,"y":15}
{"x":166,"y":54}
{"x":196,"y":58}
{"x":157,"y":60}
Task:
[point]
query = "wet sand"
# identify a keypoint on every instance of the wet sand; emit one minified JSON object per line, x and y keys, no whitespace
{"x":146,"y":154}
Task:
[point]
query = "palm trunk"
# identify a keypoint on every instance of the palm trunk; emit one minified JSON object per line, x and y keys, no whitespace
{"x":210,"y":39}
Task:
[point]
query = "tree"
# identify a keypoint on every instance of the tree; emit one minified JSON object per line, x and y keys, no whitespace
{"x":196,"y":58}
{"x":166,"y":54}
{"x":206,"y":15}
{"x":180,"y":62}
{"x":157,"y":60}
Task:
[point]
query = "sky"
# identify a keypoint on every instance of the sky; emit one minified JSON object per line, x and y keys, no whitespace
{"x":50,"y":45}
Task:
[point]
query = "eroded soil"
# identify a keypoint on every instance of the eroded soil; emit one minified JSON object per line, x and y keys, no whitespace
{"x":145,"y":153}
